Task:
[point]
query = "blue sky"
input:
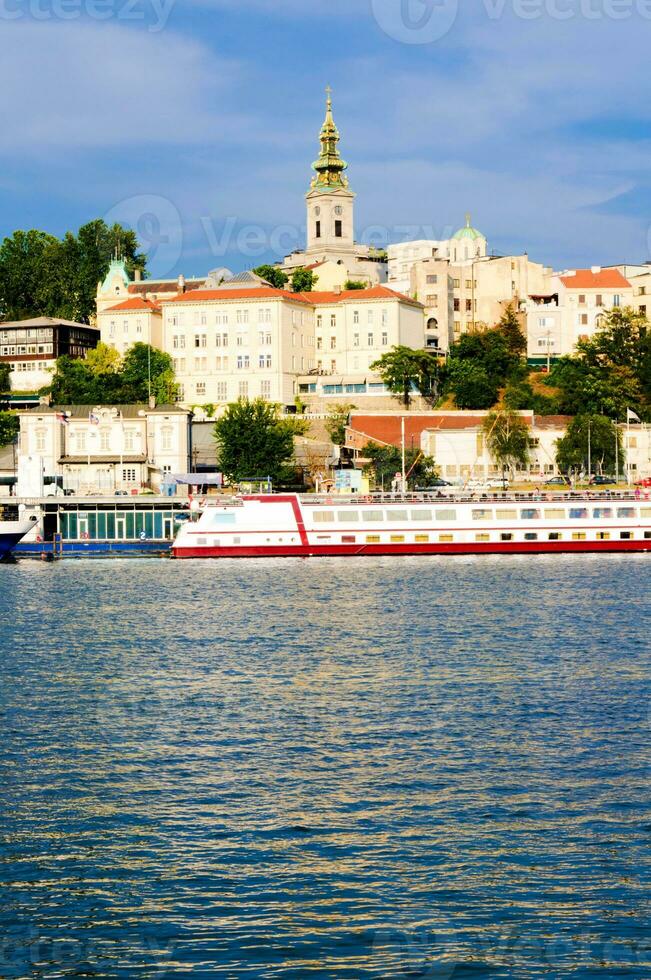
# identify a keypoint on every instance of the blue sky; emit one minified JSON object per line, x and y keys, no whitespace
{"x":197,"y":120}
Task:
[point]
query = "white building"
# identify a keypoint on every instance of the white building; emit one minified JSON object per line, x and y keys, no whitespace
{"x":94,"y":449}
{"x":466,"y":245}
{"x":134,"y":320}
{"x":570,"y":309}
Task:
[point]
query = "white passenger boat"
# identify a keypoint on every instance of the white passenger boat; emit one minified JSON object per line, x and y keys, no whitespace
{"x":275,"y":525}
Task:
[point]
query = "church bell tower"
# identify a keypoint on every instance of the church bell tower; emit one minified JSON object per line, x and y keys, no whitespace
{"x":330,"y":204}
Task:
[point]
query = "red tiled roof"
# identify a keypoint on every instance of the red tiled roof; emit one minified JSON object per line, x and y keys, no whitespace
{"x":269,"y":292}
{"x":388,"y":428}
{"x":604,"y":279}
{"x":137,"y":303}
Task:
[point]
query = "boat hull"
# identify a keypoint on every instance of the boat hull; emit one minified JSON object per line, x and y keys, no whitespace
{"x":11,"y":532}
{"x":361,"y":550}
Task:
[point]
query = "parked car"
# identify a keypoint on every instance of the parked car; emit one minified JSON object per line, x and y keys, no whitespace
{"x":603,"y":481}
{"x":438,"y":486}
{"x":557,"y":481}
{"x":645,"y":482}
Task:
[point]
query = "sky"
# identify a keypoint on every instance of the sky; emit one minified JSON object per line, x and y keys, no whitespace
{"x":196,"y":121}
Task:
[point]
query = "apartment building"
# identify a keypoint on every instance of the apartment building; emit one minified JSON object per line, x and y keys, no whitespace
{"x":31,"y":347}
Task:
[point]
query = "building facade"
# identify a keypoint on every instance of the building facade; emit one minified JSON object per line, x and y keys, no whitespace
{"x":31,"y":348}
{"x":570,"y":309}
{"x":98,"y":449}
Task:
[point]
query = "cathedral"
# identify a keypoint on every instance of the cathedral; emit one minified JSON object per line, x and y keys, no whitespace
{"x":331,"y":251}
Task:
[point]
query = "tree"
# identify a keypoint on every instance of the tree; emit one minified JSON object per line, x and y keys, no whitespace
{"x":303,"y":280}
{"x":146,"y":368}
{"x":402,"y":369}
{"x":104,"y":359}
{"x":254,"y":441}
{"x":5,"y":378}
{"x":336,"y":423}
{"x":275,"y":277}
{"x":9,"y":427}
{"x":589,"y":445}
{"x":471,"y":385}
{"x":355,"y":284}
{"x":99,"y":380}
{"x":509,"y":327}
{"x":386,"y":461}
{"x":507,"y":439}
{"x":41,"y":275}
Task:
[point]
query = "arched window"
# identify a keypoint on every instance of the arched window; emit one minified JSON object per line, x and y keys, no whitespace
{"x":432,"y":323}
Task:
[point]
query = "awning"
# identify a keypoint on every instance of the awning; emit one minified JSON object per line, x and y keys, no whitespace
{"x":199,"y":479}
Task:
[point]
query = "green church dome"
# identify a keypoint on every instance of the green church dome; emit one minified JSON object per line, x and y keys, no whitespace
{"x":467,"y":232}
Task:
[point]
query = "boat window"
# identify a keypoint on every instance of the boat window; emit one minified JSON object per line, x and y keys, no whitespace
{"x":372,"y":515}
{"x":626,"y":512}
{"x":422,"y":538}
{"x":506,"y":537}
{"x":397,"y":515}
{"x":578,"y":513}
{"x":372,"y":538}
{"x":554,"y":514}
{"x":626,"y":535}
{"x":645,"y":512}
{"x":530,"y":514}
{"x":222,"y":517}
{"x":506,"y":515}
{"x":446,"y":515}
{"x":348,"y":516}
{"x":482,"y":515}
{"x":397,"y":538}
{"x":554,"y":536}
{"x":348,"y":539}
{"x":603,"y":535}
{"x":482,"y":537}
{"x":531,"y":536}
{"x":579,"y":536}
{"x":421,"y":515}
{"x":602,"y":512}
{"x":444,"y":538}
{"x":324,"y":516}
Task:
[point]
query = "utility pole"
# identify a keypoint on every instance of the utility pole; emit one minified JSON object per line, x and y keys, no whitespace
{"x":402,"y":432}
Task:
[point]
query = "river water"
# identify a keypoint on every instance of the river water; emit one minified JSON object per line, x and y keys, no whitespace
{"x":358,"y":768}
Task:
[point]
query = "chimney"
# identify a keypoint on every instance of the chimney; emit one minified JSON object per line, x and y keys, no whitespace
{"x":181,"y":284}
{"x":337,"y":290}
{"x":137,"y":275}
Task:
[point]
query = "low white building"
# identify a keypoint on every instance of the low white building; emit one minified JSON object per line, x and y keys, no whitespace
{"x":90,"y":449}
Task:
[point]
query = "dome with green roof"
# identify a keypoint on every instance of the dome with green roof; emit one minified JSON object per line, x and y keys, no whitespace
{"x":467,"y":232}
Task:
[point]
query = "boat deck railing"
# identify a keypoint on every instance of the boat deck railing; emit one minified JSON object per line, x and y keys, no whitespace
{"x":473,"y":497}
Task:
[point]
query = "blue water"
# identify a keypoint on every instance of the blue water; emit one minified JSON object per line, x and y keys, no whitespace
{"x":381,"y":768}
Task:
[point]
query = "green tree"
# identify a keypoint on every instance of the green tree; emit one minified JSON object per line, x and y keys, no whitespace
{"x":5,"y":378}
{"x":254,"y":441}
{"x":104,"y":359}
{"x":146,"y":368}
{"x":9,"y":427}
{"x":336,"y":423}
{"x":355,"y":284}
{"x":509,"y":327}
{"x":41,"y":275}
{"x":587,"y":388}
{"x":304,"y":280}
{"x":471,"y":385}
{"x":275,"y":277}
{"x":507,"y":439}
{"x":402,"y":369}
{"x":589,"y":445}
{"x":386,"y":461}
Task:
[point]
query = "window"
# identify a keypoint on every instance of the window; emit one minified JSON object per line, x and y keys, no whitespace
{"x":125,"y":326}
{"x":318,"y":230}
{"x":628,"y":513}
{"x":333,"y":319}
{"x":506,"y":536}
{"x":242,"y":362}
{"x":348,"y":516}
{"x":264,"y":360}
{"x":355,"y":316}
{"x":446,"y":538}
{"x":617,"y":300}
{"x":319,"y":343}
{"x":599,"y":300}
{"x":530,"y":514}
{"x":446,"y":515}
{"x":355,"y":340}
{"x":243,"y":389}
{"x":40,"y":440}
{"x":457,"y":305}
{"x":482,"y":537}
{"x":166,"y":437}
{"x":482,"y":515}
{"x":372,"y":538}
{"x":319,"y":320}
{"x":265,"y":389}
{"x":221,"y":340}
{"x":581,"y":299}
{"x":222,"y":390}
{"x":422,"y":538}
{"x":432,"y":279}
{"x":554,"y":536}
{"x":200,"y":387}
{"x":603,"y":536}
{"x":421,"y":515}
{"x":530,"y":536}
{"x":385,"y":339}
{"x":200,"y":340}
{"x":372,"y":515}
{"x":397,"y":515}
{"x":457,"y":284}
{"x":578,"y":513}
{"x":81,"y":441}
{"x":506,"y":515}
{"x":554,"y":514}
{"x":324,"y":516}
{"x":339,"y":229}
{"x":242,"y":316}
{"x":333,"y":343}
{"x":105,"y":440}
{"x":129,"y":439}
{"x":625,"y":535}
{"x":128,"y":475}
